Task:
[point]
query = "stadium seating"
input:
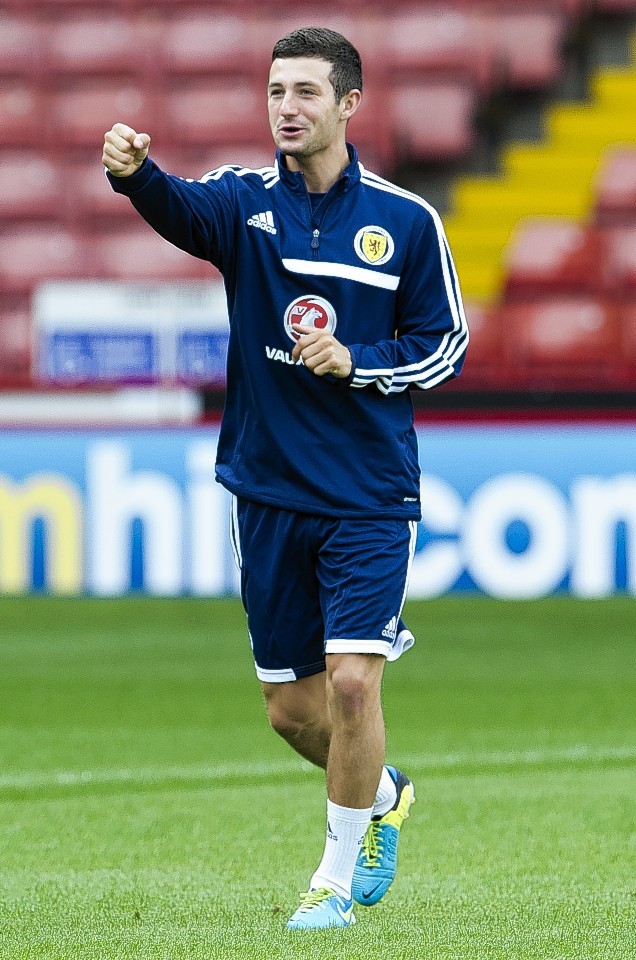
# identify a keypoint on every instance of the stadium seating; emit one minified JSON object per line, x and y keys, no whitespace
{"x":524,"y":44}
{"x":566,"y":340}
{"x":195,"y":43}
{"x":95,"y":44}
{"x":15,"y":341}
{"x":137,"y":253}
{"x":616,"y":187}
{"x":486,"y":347}
{"x":433,"y":121}
{"x":31,"y":186}
{"x":553,"y":255}
{"x":628,"y":338}
{"x":213,"y":111}
{"x":193,"y":76}
{"x":21,"y":114}
{"x":94,"y":200}
{"x":31,"y":252}
{"x":619,"y":261}
{"x":21,"y":46}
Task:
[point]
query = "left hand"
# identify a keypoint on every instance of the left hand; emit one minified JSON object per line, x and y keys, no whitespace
{"x":321,"y":352}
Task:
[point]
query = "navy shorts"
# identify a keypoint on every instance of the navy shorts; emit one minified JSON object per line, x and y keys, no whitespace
{"x":315,"y":585}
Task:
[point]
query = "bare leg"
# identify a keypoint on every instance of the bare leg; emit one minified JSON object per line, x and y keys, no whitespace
{"x":299,"y":713}
{"x":356,"y":752}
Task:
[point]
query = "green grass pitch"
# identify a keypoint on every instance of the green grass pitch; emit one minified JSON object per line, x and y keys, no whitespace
{"x":148,"y":811}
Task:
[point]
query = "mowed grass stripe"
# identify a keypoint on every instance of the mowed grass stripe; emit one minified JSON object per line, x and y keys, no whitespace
{"x":450,"y":763}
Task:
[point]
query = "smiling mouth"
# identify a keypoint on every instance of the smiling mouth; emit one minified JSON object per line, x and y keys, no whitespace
{"x":289,"y":131}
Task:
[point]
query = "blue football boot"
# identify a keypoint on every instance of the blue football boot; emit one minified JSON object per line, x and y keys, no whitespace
{"x":377,"y":861}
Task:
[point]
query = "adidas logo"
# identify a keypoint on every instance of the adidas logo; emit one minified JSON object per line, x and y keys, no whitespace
{"x":264,"y":221}
{"x":391,"y":629}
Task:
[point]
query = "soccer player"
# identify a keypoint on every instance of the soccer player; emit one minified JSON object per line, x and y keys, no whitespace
{"x":342,"y":296}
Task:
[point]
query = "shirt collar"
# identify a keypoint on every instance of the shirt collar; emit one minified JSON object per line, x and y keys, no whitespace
{"x":294,"y":179}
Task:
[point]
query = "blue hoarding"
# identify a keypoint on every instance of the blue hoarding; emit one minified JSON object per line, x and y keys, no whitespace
{"x":513,"y":511}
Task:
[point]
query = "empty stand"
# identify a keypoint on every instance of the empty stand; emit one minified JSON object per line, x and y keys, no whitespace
{"x":96,"y":44}
{"x":616,"y":187}
{"x":566,"y":340}
{"x":198,"y":43}
{"x":15,"y":341}
{"x":21,"y":114}
{"x":553,"y":255}
{"x":79,"y":114}
{"x":628,"y":337}
{"x":31,"y":186}
{"x":433,"y":121}
{"x":420,"y":41}
{"x":524,"y":44}
{"x":40,"y":251}
{"x":91,"y":197}
{"x":21,"y":46}
{"x":619,"y":261}
{"x":484,"y":365}
{"x":216,"y":111}
{"x":136,"y":252}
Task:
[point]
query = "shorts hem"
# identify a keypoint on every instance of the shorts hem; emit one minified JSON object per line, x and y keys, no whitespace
{"x":288,"y":675}
{"x":392,"y":651}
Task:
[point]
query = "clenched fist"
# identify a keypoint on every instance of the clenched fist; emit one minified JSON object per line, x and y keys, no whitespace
{"x":124,"y":150}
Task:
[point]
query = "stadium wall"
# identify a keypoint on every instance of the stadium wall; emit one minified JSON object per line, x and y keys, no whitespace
{"x":511,"y":510}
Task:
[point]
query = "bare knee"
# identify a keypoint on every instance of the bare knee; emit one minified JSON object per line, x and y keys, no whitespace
{"x":353,"y":684}
{"x":284,"y":721}
{"x":296,"y":708}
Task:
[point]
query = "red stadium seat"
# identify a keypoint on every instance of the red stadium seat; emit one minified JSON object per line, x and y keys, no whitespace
{"x":567,"y":341}
{"x":549,"y":255}
{"x":628,"y":338}
{"x":21,"y":114}
{"x":80,"y":114}
{"x":433,"y":120}
{"x":216,"y":111}
{"x":361,"y":31}
{"x":15,"y":341}
{"x":138,"y":253}
{"x":484,"y":367}
{"x":616,"y":187}
{"x":525,"y":46}
{"x":216,"y":41}
{"x":21,"y":46}
{"x":35,"y":252}
{"x":91,"y":197}
{"x":95,"y":43}
{"x":31,"y":186}
{"x":619,"y":260}
{"x":422,"y":41}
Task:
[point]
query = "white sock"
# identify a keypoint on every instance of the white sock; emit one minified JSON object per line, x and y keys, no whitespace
{"x":346,"y":827}
{"x":386,"y":795}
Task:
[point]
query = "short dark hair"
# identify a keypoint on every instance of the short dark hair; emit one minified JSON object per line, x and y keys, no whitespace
{"x":325,"y":44}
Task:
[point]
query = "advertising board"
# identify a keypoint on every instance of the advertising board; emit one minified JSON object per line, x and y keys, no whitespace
{"x":511,"y":511}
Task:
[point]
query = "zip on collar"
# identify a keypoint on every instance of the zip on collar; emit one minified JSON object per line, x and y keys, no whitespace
{"x":295,"y":181}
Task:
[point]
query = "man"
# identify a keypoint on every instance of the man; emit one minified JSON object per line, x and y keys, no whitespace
{"x":342,"y":294}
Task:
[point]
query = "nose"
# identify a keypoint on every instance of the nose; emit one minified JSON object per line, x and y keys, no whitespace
{"x":289,"y":105}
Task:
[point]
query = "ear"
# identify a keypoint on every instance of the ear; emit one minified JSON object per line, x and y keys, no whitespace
{"x":349,"y":104}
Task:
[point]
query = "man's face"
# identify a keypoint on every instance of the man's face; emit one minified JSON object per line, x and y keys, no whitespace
{"x":303,"y":113}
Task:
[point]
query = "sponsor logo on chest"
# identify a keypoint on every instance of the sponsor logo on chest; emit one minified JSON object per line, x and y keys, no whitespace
{"x":308,"y":311}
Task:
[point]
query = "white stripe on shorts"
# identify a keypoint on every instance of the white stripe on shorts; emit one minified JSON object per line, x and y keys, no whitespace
{"x":274,"y":676}
{"x":234,"y":534}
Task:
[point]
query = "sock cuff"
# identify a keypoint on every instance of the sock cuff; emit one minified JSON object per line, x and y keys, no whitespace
{"x":349,"y":814}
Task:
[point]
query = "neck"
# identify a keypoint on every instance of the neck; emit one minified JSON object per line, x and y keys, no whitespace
{"x":321,"y":170}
